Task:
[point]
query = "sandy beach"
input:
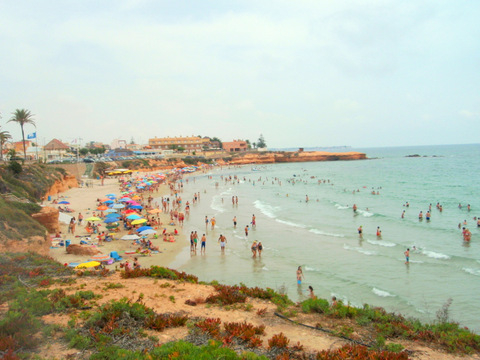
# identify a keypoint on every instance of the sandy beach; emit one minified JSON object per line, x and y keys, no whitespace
{"x":84,"y":200}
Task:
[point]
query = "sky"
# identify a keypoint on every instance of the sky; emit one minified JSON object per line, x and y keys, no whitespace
{"x":303,"y":73}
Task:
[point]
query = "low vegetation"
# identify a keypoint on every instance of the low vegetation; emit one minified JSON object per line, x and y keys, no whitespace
{"x":126,"y":328}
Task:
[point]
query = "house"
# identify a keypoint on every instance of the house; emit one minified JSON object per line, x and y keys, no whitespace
{"x":55,"y":150}
{"x":235,"y":146}
{"x":193,"y":143}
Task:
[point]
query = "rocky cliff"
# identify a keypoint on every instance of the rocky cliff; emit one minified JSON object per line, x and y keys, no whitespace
{"x":282,"y":157}
{"x":69,"y":181}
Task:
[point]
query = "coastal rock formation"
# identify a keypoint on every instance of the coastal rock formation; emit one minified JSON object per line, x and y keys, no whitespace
{"x":69,"y":181}
{"x":81,"y":250}
{"x":283,"y":157}
{"x":38,"y":244}
{"x":48,"y":217}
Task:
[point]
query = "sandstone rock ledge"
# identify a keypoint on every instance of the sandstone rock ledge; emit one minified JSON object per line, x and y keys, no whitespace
{"x":283,"y":157}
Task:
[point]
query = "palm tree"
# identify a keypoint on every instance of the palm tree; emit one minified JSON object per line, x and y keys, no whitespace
{"x":22,"y":117}
{"x":4,"y":137}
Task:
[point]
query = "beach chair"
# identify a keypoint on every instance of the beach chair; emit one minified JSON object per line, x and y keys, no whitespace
{"x":114,"y":255}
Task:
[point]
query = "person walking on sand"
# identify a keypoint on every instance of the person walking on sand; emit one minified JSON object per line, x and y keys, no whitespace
{"x":407,"y":256}
{"x":222,"y":240}
{"x":300,"y":275}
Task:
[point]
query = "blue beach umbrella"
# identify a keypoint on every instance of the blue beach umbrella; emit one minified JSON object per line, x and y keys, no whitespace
{"x":111,"y":211}
{"x":125,"y":199}
{"x":111,"y":195}
{"x":109,"y":220}
{"x":64,"y":202}
{"x":118,"y":206}
{"x":108,"y":202}
{"x":144,"y":228}
{"x":133,"y":217}
{"x":113,"y":215}
{"x":136,"y":207}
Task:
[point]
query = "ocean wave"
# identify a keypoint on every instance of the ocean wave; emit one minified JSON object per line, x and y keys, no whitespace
{"x":381,"y":243}
{"x":435,"y":255}
{"x":471,"y":271}
{"x":265,"y":209}
{"x":365,"y":213}
{"x":382,"y":293}
{"x":290,"y":223}
{"x":308,"y":268}
{"x":341,"y":207}
{"x":265,"y":268}
{"x":360,"y":250}
{"x":320,"y":232}
{"x":216,"y":204}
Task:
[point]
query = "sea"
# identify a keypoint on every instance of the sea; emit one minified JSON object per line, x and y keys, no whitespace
{"x":321,"y":234}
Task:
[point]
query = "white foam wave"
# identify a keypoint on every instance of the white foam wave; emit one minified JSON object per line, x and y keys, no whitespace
{"x":320,"y":232}
{"x":265,"y":209}
{"x":475,"y":272}
{"x":239,"y":237}
{"x":381,"y":243}
{"x":435,"y":255}
{"x":365,"y":213}
{"x":289,"y":223}
{"x":308,"y":268}
{"x":360,"y":250}
{"x":382,"y":293}
{"x":216,"y":205}
{"x":265,"y":268}
{"x":341,"y":207}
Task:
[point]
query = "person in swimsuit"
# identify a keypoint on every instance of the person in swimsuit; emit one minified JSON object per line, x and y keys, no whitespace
{"x":204,"y":242}
{"x":222,"y":240}
{"x":259,"y":249}
{"x":360,"y":231}
{"x":312,"y":295}
{"x":254,"y":223}
{"x":407,"y":256}
{"x":254,"y":249}
{"x":234,"y":222}
{"x":300,"y":275}
{"x":246,"y":230}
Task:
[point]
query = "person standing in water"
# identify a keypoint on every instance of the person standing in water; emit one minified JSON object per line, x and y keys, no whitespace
{"x":259,"y":249}
{"x":222,"y":240}
{"x":360,"y":231}
{"x":246,"y":231}
{"x":407,"y":256}
{"x":300,"y":275}
{"x":234,"y":222}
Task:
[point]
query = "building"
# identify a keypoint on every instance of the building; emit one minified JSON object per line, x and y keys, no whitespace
{"x":235,"y":146}
{"x":55,"y":150}
{"x":189,"y":143}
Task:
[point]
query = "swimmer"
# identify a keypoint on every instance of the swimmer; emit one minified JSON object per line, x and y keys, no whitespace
{"x":379,"y":232}
{"x":420,"y":216}
{"x":407,"y":256}
{"x":354,"y":207}
{"x":360,"y":231}
{"x":300,"y":275}
{"x":403,"y":214}
{"x":312,"y":295}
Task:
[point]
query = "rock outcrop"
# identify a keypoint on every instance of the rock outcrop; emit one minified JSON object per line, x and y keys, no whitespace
{"x":69,"y":181}
{"x":81,"y":250}
{"x":48,"y":217}
{"x":38,"y":244}
{"x":283,"y":157}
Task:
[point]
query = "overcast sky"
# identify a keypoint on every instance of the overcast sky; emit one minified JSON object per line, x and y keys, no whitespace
{"x":301,"y":72}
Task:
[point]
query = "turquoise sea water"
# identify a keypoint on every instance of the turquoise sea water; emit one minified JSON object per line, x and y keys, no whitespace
{"x":321,"y":234}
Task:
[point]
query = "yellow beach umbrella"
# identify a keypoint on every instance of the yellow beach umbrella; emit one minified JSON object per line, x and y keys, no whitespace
{"x":139,"y":221}
{"x":93,"y":218}
{"x":86,"y":265}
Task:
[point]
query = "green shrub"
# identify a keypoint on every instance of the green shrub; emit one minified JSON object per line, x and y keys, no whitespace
{"x":316,"y":305}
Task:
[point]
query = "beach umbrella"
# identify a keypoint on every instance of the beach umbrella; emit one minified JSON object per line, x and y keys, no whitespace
{"x":102,"y":207}
{"x":130,"y":211}
{"x":147,"y":232}
{"x":111,"y":195}
{"x":137,"y":207}
{"x":87,"y":265}
{"x":64,"y":202}
{"x":113,"y":214}
{"x":118,"y":206}
{"x":154,"y":211}
{"x":111,"y":211}
{"x":110,"y":220}
{"x":133,"y":217}
{"x":140,"y":229}
{"x":130,"y":237}
{"x":93,"y":218}
{"x":139,"y":221}
{"x":100,"y":257}
{"x":108,"y":201}
{"x":125,"y":199}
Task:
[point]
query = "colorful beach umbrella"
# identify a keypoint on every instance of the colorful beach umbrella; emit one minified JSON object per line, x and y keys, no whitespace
{"x":147,"y":232}
{"x":93,"y":218}
{"x":111,"y":211}
{"x":154,"y":211}
{"x":102,"y":207}
{"x":138,"y":207}
{"x":118,"y":206}
{"x":100,"y":257}
{"x":86,"y":265}
{"x":130,"y":237}
{"x":139,"y":221}
{"x":110,"y":220}
{"x":140,"y":229}
{"x":133,"y":217}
